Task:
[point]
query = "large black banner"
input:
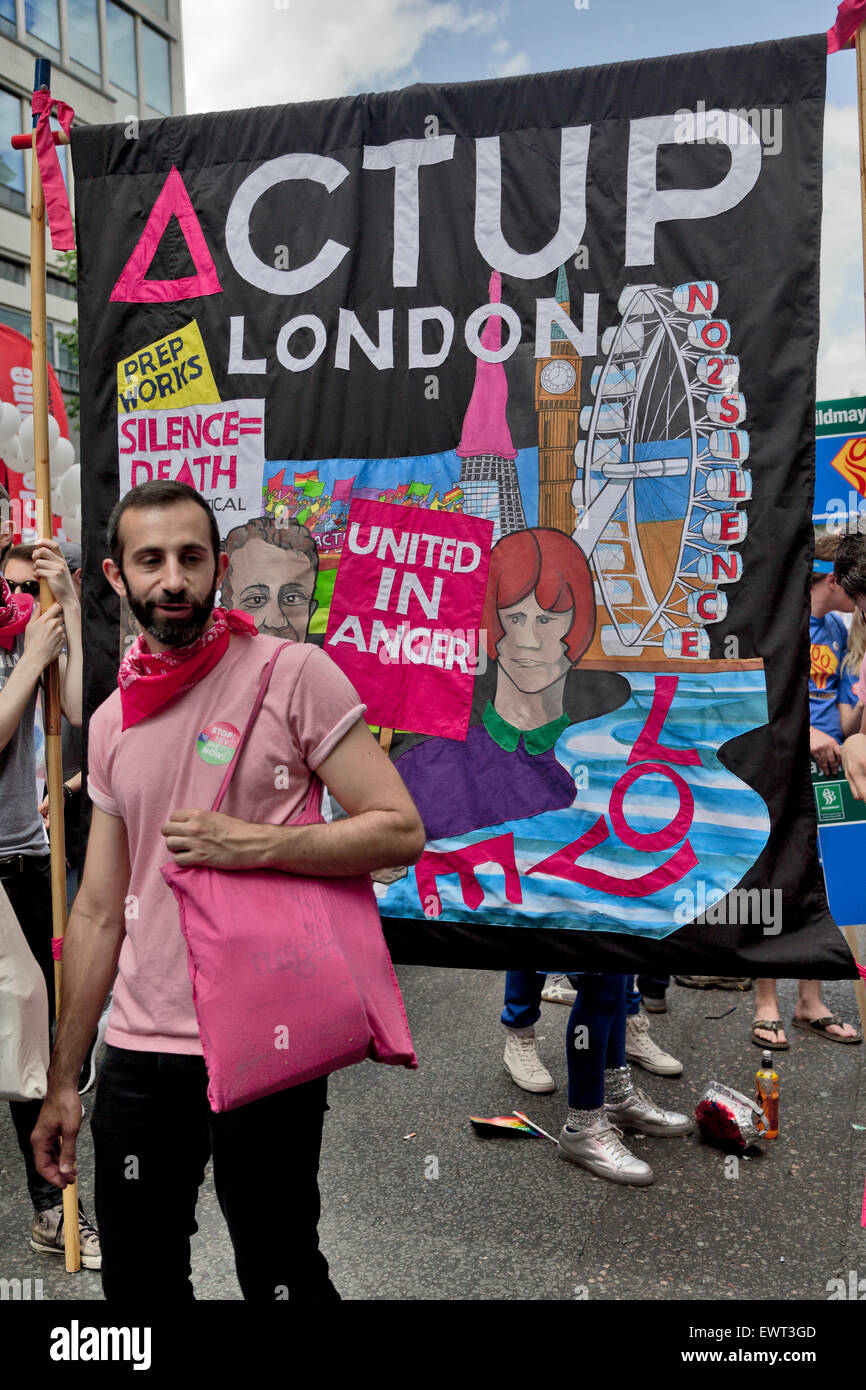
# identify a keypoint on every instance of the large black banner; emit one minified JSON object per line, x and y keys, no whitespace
{"x":503,"y":392}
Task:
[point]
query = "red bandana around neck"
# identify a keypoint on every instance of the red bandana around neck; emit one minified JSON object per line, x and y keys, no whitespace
{"x":15,"y":610}
{"x":150,"y":680}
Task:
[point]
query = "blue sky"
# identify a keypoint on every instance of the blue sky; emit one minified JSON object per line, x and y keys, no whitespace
{"x":547,"y":34}
{"x":301,"y":50}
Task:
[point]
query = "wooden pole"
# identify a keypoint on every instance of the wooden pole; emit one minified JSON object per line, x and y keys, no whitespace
{"x":51,"y":685}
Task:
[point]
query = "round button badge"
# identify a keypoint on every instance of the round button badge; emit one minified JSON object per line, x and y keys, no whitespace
{"x":217,"y":743}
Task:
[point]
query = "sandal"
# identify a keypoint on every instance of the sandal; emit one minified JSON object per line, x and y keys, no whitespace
{"x":821,"y":1025}
{"x":769,"y":1025}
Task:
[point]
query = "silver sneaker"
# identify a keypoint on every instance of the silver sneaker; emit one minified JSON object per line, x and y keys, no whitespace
{"x":640,"y":1048}
{"x":46,"y":1236}
{"x":639,"y":1114}
{"x":524,"y":1065}
{"x":599,"y":1148}
{"x":557,"y":990}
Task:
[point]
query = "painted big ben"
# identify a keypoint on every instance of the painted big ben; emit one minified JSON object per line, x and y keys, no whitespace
{"x":557,"y":400}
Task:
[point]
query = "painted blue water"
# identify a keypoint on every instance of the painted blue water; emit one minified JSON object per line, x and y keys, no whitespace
{"x":728,"y":831}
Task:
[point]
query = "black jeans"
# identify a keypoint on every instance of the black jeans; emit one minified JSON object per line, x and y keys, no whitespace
{"x":29,"y":892}
{"x":153,"y":1133}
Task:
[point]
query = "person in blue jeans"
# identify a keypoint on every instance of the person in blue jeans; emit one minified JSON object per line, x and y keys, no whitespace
{"x":602,"y":1098}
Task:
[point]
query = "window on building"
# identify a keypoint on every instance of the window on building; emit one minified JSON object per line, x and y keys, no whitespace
{"x":84,"y":33}
{"x":11,"y":270}
{"x":60,"y":357}
{"x":12,"y":319}
{"x":120,"y":29}
{"x":154,"y":63}
{"x":55,"y":284}
{"x":40,"y":20}
{"x":11,"y":161}
{"x":7,"y":18}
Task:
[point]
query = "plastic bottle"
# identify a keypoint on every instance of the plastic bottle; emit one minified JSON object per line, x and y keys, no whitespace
{"x":767,"y":1095}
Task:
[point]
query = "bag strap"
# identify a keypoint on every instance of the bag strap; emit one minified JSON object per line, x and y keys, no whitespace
{"x":263,"y":685}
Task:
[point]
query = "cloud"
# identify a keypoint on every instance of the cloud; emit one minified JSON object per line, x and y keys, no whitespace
{"x":510,"y":67}
{"x":842,"y":365}
{"x":265,"y":53}
{"x":842,"y":351}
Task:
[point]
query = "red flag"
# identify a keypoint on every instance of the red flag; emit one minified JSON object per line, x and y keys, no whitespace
{"x":53,"y":188}
{"x":849,"y":16}
{"x":16,"y":387}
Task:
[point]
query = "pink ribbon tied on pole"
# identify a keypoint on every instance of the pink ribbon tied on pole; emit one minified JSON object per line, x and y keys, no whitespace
{"x":849,"y":16}
{"x":54,"y":189}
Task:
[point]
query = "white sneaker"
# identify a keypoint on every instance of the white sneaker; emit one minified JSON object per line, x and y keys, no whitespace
{"x":524,"y":1065}
{"x":46,"y":1236}
{"x":640,"y":1048}
{"x":557,"y":990}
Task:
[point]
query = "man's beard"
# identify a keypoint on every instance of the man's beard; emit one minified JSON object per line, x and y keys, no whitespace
{"x":172,"y":632}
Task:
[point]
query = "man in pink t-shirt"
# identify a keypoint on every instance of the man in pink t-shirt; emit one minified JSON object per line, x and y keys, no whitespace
{"x":158,"y":749}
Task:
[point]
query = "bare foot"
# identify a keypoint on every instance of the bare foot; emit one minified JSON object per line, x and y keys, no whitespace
{"x":836,"y":1030}
{"x":770,"y":1035}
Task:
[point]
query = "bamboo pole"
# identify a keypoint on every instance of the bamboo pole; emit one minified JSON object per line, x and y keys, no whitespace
{"x":51,"y":685}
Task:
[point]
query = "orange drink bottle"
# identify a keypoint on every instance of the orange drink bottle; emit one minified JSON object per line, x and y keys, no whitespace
{"x":767,"y":1095}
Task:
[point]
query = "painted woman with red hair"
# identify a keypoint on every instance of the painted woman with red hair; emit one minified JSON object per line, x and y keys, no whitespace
{"x":539,"y":619}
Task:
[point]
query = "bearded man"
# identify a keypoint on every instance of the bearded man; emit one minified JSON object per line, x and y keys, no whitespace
{"x":157,"y":753}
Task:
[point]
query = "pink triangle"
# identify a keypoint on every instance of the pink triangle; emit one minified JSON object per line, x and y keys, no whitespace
{"x":132,"y":288}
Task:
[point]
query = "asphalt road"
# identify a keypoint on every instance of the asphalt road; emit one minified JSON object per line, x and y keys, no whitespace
{"x":417,"y":1207}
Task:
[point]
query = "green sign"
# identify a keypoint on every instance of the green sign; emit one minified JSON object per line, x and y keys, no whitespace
{"x":834,"y":803}
{"x":847,"y":416}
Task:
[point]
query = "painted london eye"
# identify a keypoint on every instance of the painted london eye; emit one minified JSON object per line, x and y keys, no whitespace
{"x":660,"y":473}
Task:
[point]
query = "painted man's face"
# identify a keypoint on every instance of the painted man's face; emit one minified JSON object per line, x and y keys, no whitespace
{"x":531,"y":651}
{"x":274,"y":586}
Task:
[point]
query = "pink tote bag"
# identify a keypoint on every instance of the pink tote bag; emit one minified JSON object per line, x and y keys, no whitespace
{"x":291,"y":977}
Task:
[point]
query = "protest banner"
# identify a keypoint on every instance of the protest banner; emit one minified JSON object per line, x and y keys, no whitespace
{"x":555,"y":305}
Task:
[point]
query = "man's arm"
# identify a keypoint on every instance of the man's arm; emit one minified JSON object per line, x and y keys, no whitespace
{"x":48,"y":563}
{"x":91,"y":946}
{"x":854,"y":761}
{"x":825,"y":750}
{"x":851,"y":716}
{"x":382,"y":827}
{"x":43,"y":643}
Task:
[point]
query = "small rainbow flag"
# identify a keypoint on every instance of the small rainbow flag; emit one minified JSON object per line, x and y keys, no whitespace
{"x":500,"y":1122}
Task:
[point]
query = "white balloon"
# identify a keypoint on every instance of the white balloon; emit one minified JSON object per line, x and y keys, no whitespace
{"x":70,"y":488}
{"x":62,"y":458}
{"x":72,"y":527}
{"x":13,"y":459}
{"x":25,"y":436}
{"x":56,"y":503}
{"x":10,"y":422}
